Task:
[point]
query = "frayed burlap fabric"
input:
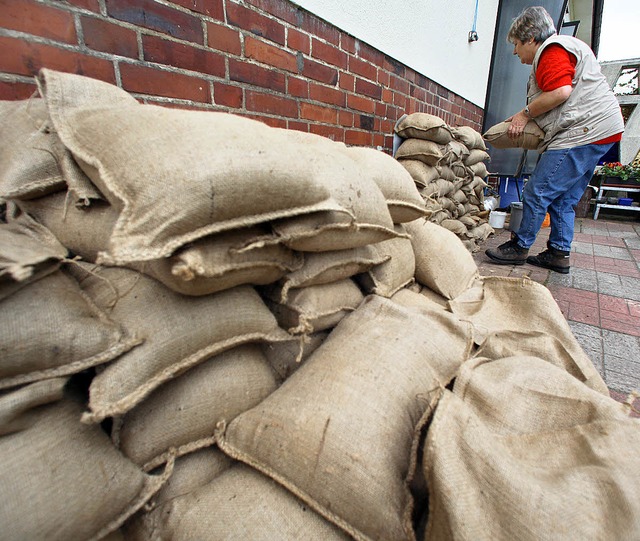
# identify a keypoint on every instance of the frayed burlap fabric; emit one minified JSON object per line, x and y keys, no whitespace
{"x":28,"y":251}
{"x":27,"y":151}
{"x":312,"y":309}
{"x":211,"y":264}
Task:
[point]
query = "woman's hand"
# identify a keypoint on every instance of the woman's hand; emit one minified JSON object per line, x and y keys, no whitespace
{"x":518,"y":122}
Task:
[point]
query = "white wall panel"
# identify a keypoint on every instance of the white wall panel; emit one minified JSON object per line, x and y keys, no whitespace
{"x":430,"y":36}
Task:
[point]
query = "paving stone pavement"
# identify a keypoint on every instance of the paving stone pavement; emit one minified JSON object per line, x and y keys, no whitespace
{"x":600,"y":297}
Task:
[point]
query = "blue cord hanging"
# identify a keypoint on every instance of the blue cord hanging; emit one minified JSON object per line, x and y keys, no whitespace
{"x":475,"y":17}
{"x":473,"y":35}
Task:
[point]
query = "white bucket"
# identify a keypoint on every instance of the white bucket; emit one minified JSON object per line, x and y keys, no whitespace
{"x":497,"y":218}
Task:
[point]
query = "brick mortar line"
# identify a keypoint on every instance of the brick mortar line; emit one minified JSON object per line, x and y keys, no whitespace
{"x":83,"y":49}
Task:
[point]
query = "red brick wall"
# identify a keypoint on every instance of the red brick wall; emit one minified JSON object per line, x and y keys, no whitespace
{"x":267,"y":59}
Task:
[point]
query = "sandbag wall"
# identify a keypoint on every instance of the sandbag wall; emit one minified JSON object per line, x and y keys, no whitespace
{"x":213,"y":329}
{"x":448,"y":166}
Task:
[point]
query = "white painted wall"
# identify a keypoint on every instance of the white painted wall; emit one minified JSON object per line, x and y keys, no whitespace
{"x":429,"y":36}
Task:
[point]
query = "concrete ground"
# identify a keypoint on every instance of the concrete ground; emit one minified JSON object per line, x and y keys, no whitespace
{"x":600,"y":297}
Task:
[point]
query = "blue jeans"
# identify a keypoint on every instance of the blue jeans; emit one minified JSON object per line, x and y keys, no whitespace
{"x":556,"y":186}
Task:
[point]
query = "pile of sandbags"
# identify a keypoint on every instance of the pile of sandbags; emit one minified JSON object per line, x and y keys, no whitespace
{"x":448,"y":166}
{"x":198,"y":346}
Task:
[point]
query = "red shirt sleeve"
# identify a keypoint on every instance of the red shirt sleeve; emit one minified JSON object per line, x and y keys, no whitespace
{"x":556,"y":68}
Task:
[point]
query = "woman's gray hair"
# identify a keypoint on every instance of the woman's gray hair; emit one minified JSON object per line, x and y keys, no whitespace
{"x":533,"y":23}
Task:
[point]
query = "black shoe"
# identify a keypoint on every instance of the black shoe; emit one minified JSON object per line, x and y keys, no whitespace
{"x":509,"y":253}
{"x":553,"y":259}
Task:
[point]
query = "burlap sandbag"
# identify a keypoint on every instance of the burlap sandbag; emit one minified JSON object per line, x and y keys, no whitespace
{"x":470,"y":207}
{"x":522,"y":450}
{"x":211,"y":264}
{"x":27,"y":159}
{"x":50,"y":328}
{"x":476,"y":186}
{"x":396,"y":272}
{"x":431,"y":194}
{"x":460,"y":170}
{"x":342,"y":431}
{"x":170,"y":422}
{"x":191,"y":472}
{"x":449,"y":205}
{"x":446,"y":172}
{"x":424,"y":126}
{"x":442,"y":262}
{"x":476,"y":156}
{"x":430,"y":294}
{"x":395,"y":182}
{"x":455,"y":152}
{"x":498,"y":304}
{"x":180,"y":332}
{"x":411,"y":297}
{"x":439,"y":213}
{"x":533,"y":343}
{"x":481,"y":232}
{"x":531,"y":138}
{"x":28,"y":251}
{"x":427,"y":152}
{"x":240,"y":503}
{"x":219,"y":262}
{"x":84,"y":231}
{"x":527,"y":394}
{"x":286,"y":357}
{"x":178,"y":175}
{"x":313,"y":309}
{"x":368,"y":221}
{"x":326,"y":267}
{"x":33,"y":159}
{"x":459,"y":196}
{"x":455,"y":226}
{"x":62,"y":479}
{"x":468,"y":221}
{"x":444,"y":187}
{"x":470,"y":137}
{"x":421,"y":173}
{"x":479,"y":169}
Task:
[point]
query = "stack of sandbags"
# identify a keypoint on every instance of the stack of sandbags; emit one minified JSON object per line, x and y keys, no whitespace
{"x":60,"y":478}
{"x":183,"y":255}
{"x":213,"y":329}
{"x":448,"y":166}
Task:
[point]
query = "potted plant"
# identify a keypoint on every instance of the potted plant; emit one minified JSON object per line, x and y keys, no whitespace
{"x":616,"y":174}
